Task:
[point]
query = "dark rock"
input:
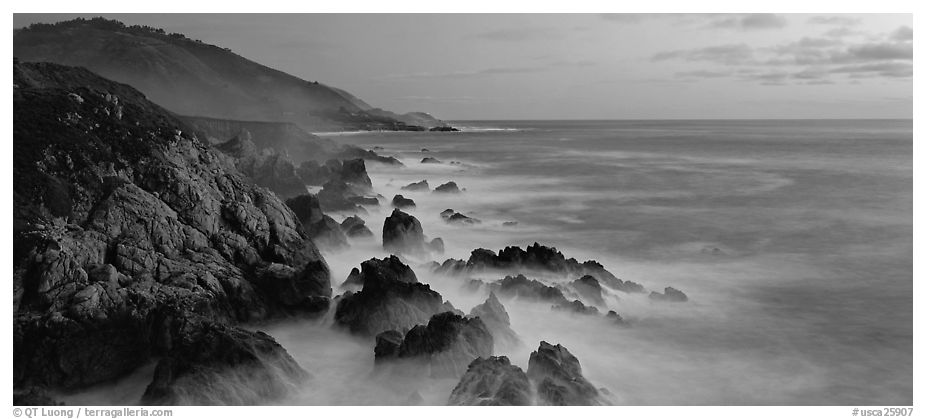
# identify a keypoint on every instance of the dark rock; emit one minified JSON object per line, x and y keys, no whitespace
{"x":514,"y":260}
{"x":417,"y":186}
{"x":671,"y":295}
{"x":387,"y":346}
{"x":612,"y":316}
{"x":492,"y":381}
{"x":267,"y":168}
{"x":34,"y":396}
{"x":576,"y":307}
{"x":445,"y":214}
{"x":123,"y":220}
{"x":400,"y":201}
{"x":430,"y":160}
{"x":389,"y":269}
{"x":323,"y":229}
{"x":509,"y":223}
{"x":530,"y":289}
{"x":402,"y":233}
{"x":495,"y":317}
{"x":436,"y":246}
{"x":371,"y":201}
{"x":449,"y":187}
{"x":458,"y":218}
{"x":355,"y":227}
{"x":588,"y":287}
{"x":354,"y":280}
{"x":444,"y":129}
{"x":559,"y":379}
{"x":424,"y":150}
{"x":211,"y":364}
{"x":388,"y":301}
{"x":336,"y":195}
{"x":447,"y":344}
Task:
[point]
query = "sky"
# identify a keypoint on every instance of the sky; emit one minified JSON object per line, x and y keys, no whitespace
{"x":580,"y":66}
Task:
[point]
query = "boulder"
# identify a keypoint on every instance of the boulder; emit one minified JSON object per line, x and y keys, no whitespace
{"x":495,"y":317}
{"x":615,"y":318}
{"x":400,"y":201}
{"x":390,"y":269}
{"x":528,"y":289}
{"x":588,"y":287}
{"x":417,"y":186}
{"x":355,"y":227}
{"x":449,"y":187}
{"x":558,"y":377}
{"x":670,"y":294}
{"x":452,"y":217}
{"x":492,"y":381}
{"x":430,"y":160}
{"x":402,"y":233}
{"x":211,"y":364}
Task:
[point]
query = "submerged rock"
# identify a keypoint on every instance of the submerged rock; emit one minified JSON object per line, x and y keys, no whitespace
{"x":400,"y":201}
{"x":558,"y":377}
{"x":430,"y":160}
{"x":495,"y":317}
{"x":211,"y":364}
{"x":671,"y":295}
{"x":388,"y":300}
{"x":417,"y":186}
{"x":449,"y":187}
{"x":452,"y":217}
{"x":492,"y":381}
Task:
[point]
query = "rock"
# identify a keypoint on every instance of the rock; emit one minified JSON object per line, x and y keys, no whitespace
{"x":436,"y":246}
{"x":400,"y":201}
{"x":336,"y":195}
{"x":530,"y":289}
{"x":387,"y":301}
{"x":576,"y":307}
{"x":492,"y":381}
{"x":444,"y":129}
{"x":355,"y":227}
{"x":387,"y":346}
{"x":612,"y":316}
{"x":447,"y":344}
{"x":509,"y":223}
{"x":588,"y":287}
{"x":124,"y":220}
{"x":458,"y":218}
{"x":430,"y":160}
{"x":513,"y":260}
{"x":390,"y":269}
{"x":402,"y":233}
{"x":417,"y":186}
{"x":449,"y":187}
{"x":445,"y":214}
{"x":495,"y":317}
{"x":558,"y":377}
{"x":363,"y":200}
{"x":211,"y":364}
{"x":671,"y":295}
{"x":323,"y":229}
{"x":34,"y":396}
{"x":424,"y":150}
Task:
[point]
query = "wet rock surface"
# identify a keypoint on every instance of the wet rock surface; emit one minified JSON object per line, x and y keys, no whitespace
{"x":444,"y":347}
{"x":355,"y":227}
{"x":324,"y":230}
{"x":402,"y":233}
{"x":492,"y":381}
{"x":417,"y":186}
{"x":400,"y":201}
{"x":496,"y":318}
{"x":449,"y":187}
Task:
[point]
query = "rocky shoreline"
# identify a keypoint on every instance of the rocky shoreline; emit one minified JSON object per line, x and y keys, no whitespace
{"x":142,"y":237}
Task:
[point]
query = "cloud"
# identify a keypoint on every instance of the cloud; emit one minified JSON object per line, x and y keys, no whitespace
{"x":834,"y":20}
{"x":520,"y":34}
{"x":881,"y":51}
{"x":751,"y":22}
{"x":842,"y":32}
{"x":903,"y":33}
{"x":723,"y":54}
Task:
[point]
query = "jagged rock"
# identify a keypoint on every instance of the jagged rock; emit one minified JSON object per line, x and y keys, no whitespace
{"x":388,"y":301}
{"x":400,"y":201}
{"x":391,"y":269}
{"x":530,"y":289}
{"x":444,"y":129}
{"x":588,"y":287}
{"x":446,"y":345}
{"x":267,"y":168}
{"x":122,"y":220}
{"x":417,"y":186}
{"x":492,"y":381}
{"x":336,"y":195}
{"x":576,"y":307}
{"x":402,"y":233}
{"x":558,"y":377}
{"x":211,"y":364}
{"x":495,"y":317}
{"x":513,"y":260}
{"x":452,"y":217}
{"x":449,"y":187}
{"x":671,"y":295}
{"x":387,"y":345}
{"x":430,"y":160}
{"x":445,"y":214}
{"x":355,"y":227}
{"x":320,"y":227}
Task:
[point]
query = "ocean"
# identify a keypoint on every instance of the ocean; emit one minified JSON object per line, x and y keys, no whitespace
{"x":791,"y":238}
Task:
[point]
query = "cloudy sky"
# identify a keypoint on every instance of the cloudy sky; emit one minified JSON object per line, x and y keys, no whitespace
{"x":584,"y":66}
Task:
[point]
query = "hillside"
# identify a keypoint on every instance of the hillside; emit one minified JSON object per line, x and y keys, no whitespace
{"x":190,"y":77}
